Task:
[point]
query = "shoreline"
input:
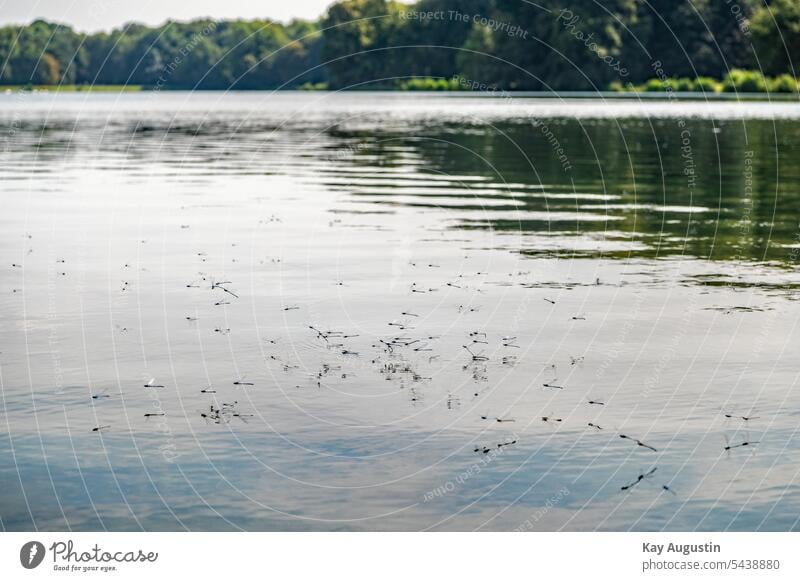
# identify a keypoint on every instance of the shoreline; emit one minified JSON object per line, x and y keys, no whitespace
{"x":613,"y":95}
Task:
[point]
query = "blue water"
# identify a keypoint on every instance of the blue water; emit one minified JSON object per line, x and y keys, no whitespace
{"x":638,"y":254}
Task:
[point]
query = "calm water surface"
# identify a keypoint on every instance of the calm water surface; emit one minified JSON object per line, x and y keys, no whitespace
{"x":642,"y":256}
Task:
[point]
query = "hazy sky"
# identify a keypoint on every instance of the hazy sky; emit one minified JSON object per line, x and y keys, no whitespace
{"x":92,"y":15}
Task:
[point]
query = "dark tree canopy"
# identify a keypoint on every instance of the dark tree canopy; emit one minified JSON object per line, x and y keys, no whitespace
{"x":508,"y":44}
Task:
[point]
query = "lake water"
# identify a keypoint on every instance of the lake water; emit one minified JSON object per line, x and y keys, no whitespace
{"x":459,"y":258}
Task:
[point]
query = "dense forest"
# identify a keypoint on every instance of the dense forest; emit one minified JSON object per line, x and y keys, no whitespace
{"x":505,"y":44}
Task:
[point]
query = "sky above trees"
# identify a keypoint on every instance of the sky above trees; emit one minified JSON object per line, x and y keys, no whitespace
{"x":95,"y":15}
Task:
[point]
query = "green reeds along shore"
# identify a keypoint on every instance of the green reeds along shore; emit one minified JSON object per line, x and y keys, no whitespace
{"x":736,"y":81}
{"x":71,"y":88}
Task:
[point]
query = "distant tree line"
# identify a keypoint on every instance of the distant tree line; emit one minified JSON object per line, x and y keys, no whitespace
{"x":508,"y":44}
{"x":201,"y":54}
{"x":564,"y":44}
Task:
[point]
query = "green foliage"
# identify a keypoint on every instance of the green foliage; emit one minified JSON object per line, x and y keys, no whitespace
{"x":200,"y":54}
{"x":656,"y":86}
{"x":313,"y":87}
{"x":739,"y":81}
{"x":573,"y":45}
{"x":776,"y":35}
{"x":35,"y":54}
{"x":683,"y":84}
{"x":783,"y":84}
{"x":706,"y":85}
{"x":359,"y":40}
{"x":430,"y":84}
{"x":507,"y":44}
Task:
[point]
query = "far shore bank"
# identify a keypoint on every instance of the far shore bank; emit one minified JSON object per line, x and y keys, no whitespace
{"x":495,"y":94}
